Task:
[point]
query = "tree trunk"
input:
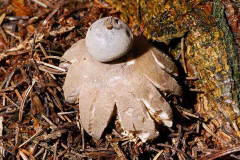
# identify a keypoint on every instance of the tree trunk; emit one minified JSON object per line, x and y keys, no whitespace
{"x":209,"y":49}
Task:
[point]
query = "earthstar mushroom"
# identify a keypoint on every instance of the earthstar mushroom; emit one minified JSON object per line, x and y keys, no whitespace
{"x":126,"y":88}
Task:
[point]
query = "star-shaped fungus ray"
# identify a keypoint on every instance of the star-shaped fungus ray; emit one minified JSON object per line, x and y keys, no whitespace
{"x":129,"y":84}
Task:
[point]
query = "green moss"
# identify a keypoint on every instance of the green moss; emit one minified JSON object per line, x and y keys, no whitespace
{"x":233,"y":56}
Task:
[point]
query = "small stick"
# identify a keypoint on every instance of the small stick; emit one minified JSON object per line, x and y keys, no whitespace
{"x":158,"y":155}
{"x":51,"y":15}
{"x":3,"y":83}
{"x":23,"y":156}
{"x":102,"y":5}
{"x":43,"y":50}
{"x":52,"y":66}
{"x":24,"y":100}
{"x":11,"y":101}
{"x":45,"y":55}
{"x":82,"y":133}
{"x":195,"y":90}
{"x":17,"y":92}
{"x":27,"y":153}
{"x":154,"y":149}
{"x":39,"y":152}
{"x":51,"y":71}
{"x":116,"y":133}
{"x":1,"y":125}
{"x":61,"y":154}
{"x":191,"y":78}
{"x":4,"y":99}
{"x":56,"y":100}
{"x":48,"y":4}
{"x":17,"y":133}
{"x":221,"y":153}
{"x":183,"y":55}
{"x":214,"y":135}
{"x":40,"y":3}
{"x":31,"y":138}
{"x":61,"y":117}
{"x":188,"y":113}
{"x":49,"y":121}
{"x":45,"y":154}
{"x":2,"y":18}
{"x":10,"y":88}
{"x":83,"y":138}
{"x":178,"y":138}
{"x":68,"y":119}
{"x":56,"y":57}
{"x":180,"y":151}
{"x":116,"y":148}
{"x":63,"y":113}
{"x":235,"y":126}
{"x":78,"y":123}
{"x":55,"y":150}
{"x":3,"y":35}
{"x":13,"y":35}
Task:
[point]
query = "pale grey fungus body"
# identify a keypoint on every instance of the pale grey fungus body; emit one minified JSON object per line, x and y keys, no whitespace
{"x":108,"y":39}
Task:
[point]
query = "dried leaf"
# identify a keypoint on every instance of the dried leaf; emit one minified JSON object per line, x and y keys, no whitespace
{"x":20,"y":8}
{"x":37,"y":106}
